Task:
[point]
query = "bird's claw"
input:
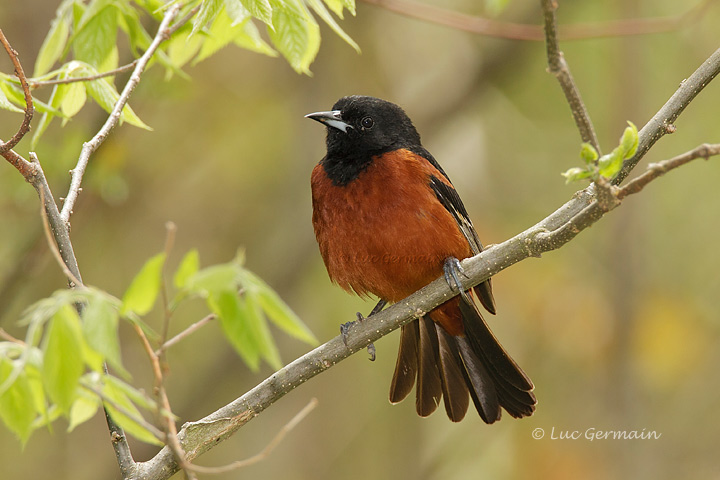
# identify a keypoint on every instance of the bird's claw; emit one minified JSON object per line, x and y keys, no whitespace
{"x":452,"y":270}
{"x":345,"y":328}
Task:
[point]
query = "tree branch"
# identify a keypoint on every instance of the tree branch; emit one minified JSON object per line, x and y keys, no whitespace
{"x":29,"y":110}
{"x":558,"y":67}
{"x":90,"y":147}
{"x":520,"y":31}
{"x":37,"y":84}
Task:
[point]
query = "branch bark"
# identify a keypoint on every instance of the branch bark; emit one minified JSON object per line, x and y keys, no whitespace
{"x":559,"y":67}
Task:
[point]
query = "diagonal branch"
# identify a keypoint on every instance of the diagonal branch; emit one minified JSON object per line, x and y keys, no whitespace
{"x":90,"y":147}
{"x":559,"y":67}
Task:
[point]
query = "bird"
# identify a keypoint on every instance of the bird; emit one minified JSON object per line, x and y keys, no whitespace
{"x":388,"y":221}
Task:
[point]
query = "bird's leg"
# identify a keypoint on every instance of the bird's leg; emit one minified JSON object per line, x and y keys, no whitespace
{"x":452,"y":270}
{"x":345,"y":327}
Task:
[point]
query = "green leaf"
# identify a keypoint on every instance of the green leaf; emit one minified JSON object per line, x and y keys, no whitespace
{"x":143,"y":290}
{"x":83,"y":409}
{"x":610,"y":164}
{"x":5,"y":104}
{"x":189,"y":266}
{"x":96,"y":39}
{"x":17,"y":402}
{"x":323,"y":13}
{"x":73,"y":99}
{"x":260,"y":9}
{"x":219,"y":34}
{"x":588,"y":153}
{"x":16,"y":95}
{"x":576,"y":173}
{"x":337,"y":6}
{"x":63,"y":363}
{"x":208,"y":11}
{"x":54,"y":44}
{"x":295,"y":34}
{"x":235,"y":10}
{"x":629,"y":141}
{"x":182,"y":47}
{"x":105,"y":95}
{"x":135,"y":395}
{"x":214,"y":279}
{"x":260,"y":331}
{"x":100,"y":327}
{"x":116,"y":396}
{"x":276,"y":309}
{"x":248,"y":37}
{"x":234,"y":322}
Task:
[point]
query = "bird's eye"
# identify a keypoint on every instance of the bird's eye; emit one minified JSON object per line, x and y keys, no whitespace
{"x":367,"y":123}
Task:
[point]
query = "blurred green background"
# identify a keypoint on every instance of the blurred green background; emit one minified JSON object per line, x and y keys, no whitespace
{"x":619,"y":329}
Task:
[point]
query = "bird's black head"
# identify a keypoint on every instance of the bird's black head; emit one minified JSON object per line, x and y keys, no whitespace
{"x":360,"y":127}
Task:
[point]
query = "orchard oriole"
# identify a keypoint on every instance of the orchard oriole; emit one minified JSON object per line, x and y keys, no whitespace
{"x":388,"y":221}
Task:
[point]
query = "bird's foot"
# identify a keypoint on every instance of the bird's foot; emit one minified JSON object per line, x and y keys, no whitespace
{"x":452,"y":271}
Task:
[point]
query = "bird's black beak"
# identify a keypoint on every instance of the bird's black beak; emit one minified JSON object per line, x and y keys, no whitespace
{"x":331,"y":119}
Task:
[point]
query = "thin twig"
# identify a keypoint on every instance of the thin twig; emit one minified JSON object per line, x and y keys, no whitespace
{"x":38,"y":84}
{"x":520,"y":31}
{"x":170,"y":231}
{"x":185,"y":333}
{"x":170,"y":428}
{"x":90,"y":147}
{"x":29,"y":110}
{"x":259,"y":457}
{"x":558,"y":67}
{"x":6,"y":336}
{"x":654,"y":170}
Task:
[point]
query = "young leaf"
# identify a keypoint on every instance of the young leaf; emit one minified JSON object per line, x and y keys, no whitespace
{"x":575,"y":174}
{"x":337,"y":6}
{"x":323,"y":13}
{"x":54,"y":43}
{"x":234,"y":322}
{"x":260,"y":331}
{"x":588,"y":153}
{"x":276,"y":309}
{"x":260,"y":9}
{"x":17,"y":403}
{"x":189,"y":265}
{"x":83,"y":409}
{"x":629,"y":140}
{"x":136,"y":396}
{"x":100,"y":326}
{"x":248,"y":37}
{"x":63,"y":363}
{"x":206,"y":15}
{"x":96,"y":38}
{"x":5,"y":104}
{"x":235,"y":10}
{"x":610,"y":164}
{"x":143,"y":290}
{"x":106,"y":96}
{"x":73,"y":99}
{"x":214,"y":279}
{"x":295,"y":34}
{"x":116,"y":397}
